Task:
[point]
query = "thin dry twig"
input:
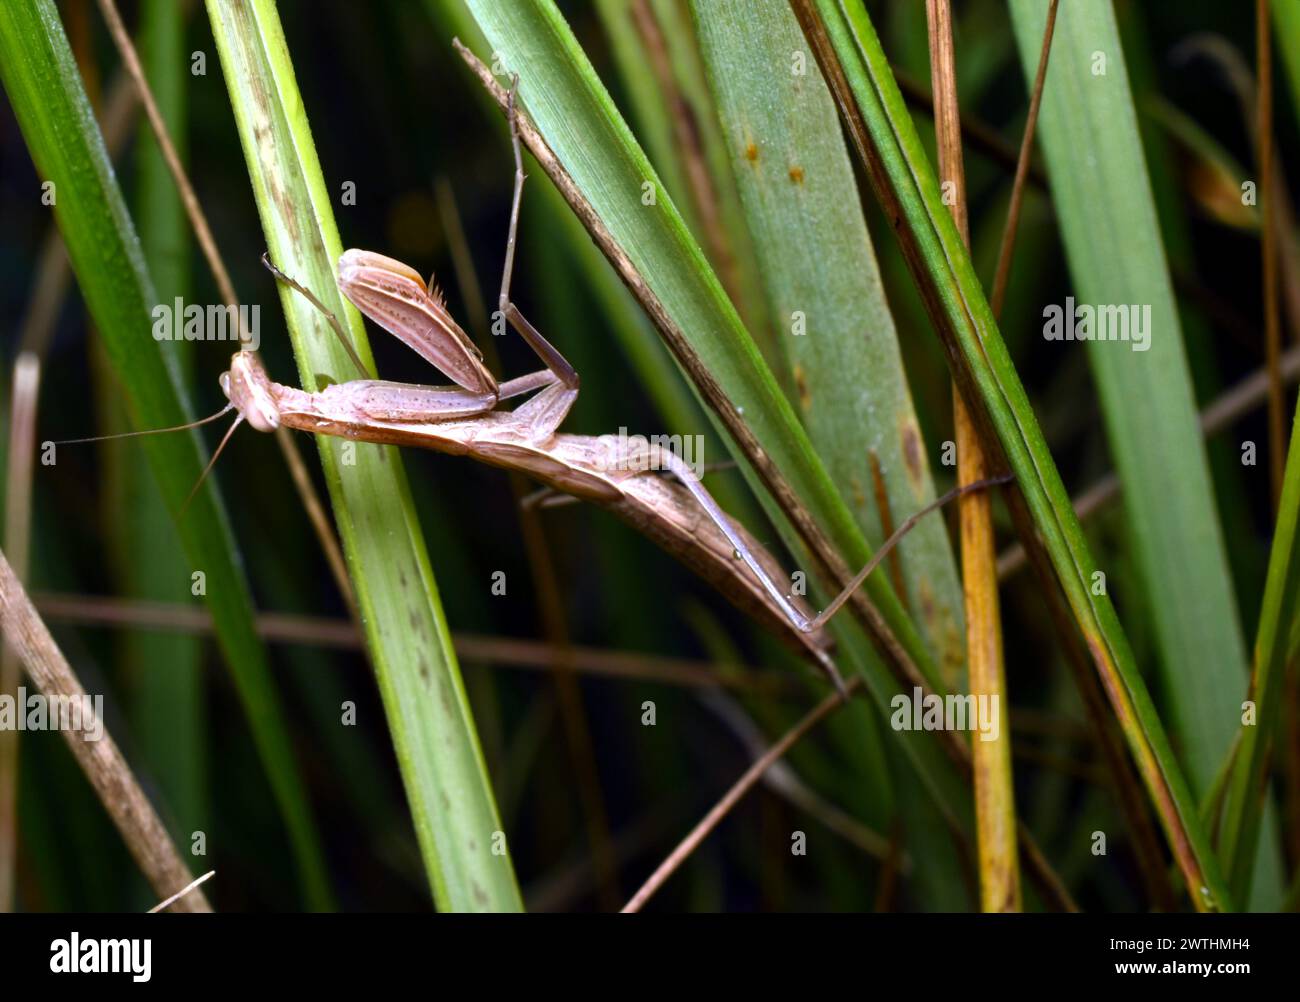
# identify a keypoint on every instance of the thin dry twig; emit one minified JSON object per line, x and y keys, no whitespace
{"x":168,"y":902}
{"x":90,"y":610}
{"x":975,"y":134}
{"x":1006,"y":251}
{"x":733,"y":796}
{"x":100,"y":760}
{"x":782,"y":780}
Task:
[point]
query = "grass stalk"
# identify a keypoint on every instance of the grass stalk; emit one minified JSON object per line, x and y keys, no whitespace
{"x":464,"y":849}
{"x":995,"y":811}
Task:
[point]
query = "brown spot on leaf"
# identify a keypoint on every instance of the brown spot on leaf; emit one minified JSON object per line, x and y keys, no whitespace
{"x":913,"y":456}
{"x":796,"y":175}
{"x":925,"y":596}
{"x":887,"y":527}
{"x":801,"y":385}
{"x":751,"y":151}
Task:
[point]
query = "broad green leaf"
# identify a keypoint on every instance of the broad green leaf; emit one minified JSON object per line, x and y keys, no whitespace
{"x":834,"y":327}
{"x":1112,"y":239}
{"x":168,"y":682}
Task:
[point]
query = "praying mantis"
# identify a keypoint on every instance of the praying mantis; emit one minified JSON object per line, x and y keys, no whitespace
{"x":619,"y":474}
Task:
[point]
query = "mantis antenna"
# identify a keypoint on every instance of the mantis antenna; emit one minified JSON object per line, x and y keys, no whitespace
{"x":147,"y":431}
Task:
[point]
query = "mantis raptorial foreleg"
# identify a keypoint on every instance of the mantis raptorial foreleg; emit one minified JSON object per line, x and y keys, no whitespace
{"x":395,"y":297}
{"x":329,"y":314}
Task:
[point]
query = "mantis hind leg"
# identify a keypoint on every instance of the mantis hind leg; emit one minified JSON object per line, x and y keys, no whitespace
{"x":509,"y":312}
{"x":542,"y":414}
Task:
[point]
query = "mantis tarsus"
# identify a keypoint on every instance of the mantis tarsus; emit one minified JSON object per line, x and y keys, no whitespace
{"x":464,"y":419}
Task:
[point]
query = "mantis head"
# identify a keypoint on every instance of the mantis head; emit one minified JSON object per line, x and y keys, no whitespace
{"x":248,"y":388}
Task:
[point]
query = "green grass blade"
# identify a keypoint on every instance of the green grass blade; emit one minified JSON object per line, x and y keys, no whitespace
{"x":429,"y":717}
{"x":736,"y":266}
{"x":798,"y":192}
{"x":882,"y":130}
{"x":1286,"y":36}
{"x":1109,"y":225}
{"x":49,"y":101}
{"x":169,"y":716}
{"x":1111,"y":235}
{"x":679,"y":410}
{"x":646,"y":104}
{"x":1248,"y":787}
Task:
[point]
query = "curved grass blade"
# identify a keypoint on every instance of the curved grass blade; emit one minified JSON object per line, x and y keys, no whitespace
{"x":49,"y":101}
{"x":821,"y":279}
{"x":169,"y":716}
{"x":844,"y":41}
{"x":437,"y":746}
{"x":1109,"y":226}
